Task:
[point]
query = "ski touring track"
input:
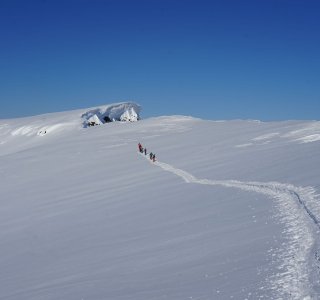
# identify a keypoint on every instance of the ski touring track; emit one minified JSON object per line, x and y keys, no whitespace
{"x":298,"y":209}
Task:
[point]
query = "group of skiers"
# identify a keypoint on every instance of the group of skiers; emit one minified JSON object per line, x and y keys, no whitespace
{"x":152,"y":156}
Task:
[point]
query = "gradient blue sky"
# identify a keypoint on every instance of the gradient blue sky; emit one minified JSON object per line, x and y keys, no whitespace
{"x":256,"y":59}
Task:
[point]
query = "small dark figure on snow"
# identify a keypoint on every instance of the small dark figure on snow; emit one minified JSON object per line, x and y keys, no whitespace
{"x":151,"y":155}
{"x":140,"y":148}
{"x":145,"y":151}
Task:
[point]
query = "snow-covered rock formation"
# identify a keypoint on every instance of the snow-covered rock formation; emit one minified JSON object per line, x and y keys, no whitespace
{"x":125,"y":112}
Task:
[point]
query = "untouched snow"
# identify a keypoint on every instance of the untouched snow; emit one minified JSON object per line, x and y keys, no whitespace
{"x":230,"y":209}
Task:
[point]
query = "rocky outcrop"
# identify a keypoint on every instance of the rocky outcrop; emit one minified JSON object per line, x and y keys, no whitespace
{"x":124,"y":112}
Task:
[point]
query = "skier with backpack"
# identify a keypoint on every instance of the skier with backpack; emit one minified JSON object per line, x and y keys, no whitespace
{"x":140,"y":148}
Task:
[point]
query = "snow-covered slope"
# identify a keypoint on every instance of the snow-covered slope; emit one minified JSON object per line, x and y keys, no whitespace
{"x":20,"y":133}
{"x":230,"y":209}
{"x":54,"y":122}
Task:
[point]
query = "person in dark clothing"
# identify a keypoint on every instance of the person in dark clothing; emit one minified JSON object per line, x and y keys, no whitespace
{"x":151,"y":155}
{"x":140,"y":148}
{"x":145,"y":151}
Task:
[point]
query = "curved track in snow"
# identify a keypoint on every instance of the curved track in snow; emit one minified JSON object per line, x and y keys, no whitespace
{"x":296,"y":206}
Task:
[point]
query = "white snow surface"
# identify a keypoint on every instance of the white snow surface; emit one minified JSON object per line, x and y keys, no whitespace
{"x":229,"y":210}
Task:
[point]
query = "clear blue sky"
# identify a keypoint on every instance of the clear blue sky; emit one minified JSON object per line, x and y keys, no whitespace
{"x":256,"y":59}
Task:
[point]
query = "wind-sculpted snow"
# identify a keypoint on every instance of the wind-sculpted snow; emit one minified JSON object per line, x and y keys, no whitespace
{"x":309,"y":133}
{"x":309,"y":138}
{"x":292,"y":280}
{"x":116,"y":112}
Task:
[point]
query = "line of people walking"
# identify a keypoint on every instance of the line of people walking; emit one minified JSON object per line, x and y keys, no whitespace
{"x":152,"y":156}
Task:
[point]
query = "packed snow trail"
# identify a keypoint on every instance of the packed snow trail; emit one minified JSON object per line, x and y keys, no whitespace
{"x":292,"y":280}
{"x":305,"y":195}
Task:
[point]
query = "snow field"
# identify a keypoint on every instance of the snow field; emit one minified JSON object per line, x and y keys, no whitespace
{"x":83,"y":215}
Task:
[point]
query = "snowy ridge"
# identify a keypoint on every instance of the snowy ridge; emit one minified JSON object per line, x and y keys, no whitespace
{"x":292,"y":281}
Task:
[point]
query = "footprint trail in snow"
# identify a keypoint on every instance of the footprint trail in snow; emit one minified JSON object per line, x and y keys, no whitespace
{"x":292,"y":280}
